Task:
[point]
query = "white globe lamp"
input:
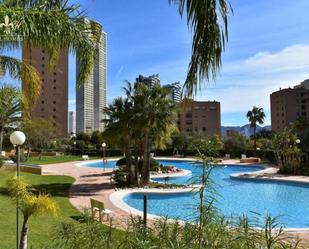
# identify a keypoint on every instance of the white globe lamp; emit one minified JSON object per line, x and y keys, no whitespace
{"x":17,"y":138}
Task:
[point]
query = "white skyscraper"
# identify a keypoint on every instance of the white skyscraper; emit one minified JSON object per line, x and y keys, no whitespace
{"x":91,"y":97}
{"x":72,"y":123}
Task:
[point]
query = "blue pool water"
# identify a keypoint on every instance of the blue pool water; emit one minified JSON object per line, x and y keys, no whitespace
{"x":290,"y":201}
{"x":109,"y":164}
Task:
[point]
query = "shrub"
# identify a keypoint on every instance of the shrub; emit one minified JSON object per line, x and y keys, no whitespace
{"x":120,"y":178}
{"x":235,"y":145}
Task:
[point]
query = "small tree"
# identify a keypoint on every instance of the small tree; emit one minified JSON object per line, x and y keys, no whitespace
{"x":30,"y":205}
{"x":287,"y":153}
{"x":39,"y":132}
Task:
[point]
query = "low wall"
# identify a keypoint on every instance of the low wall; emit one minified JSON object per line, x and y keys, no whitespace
{"x":33,"y":169}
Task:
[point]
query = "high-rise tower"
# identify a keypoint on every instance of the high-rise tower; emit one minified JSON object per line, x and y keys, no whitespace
{"x":91,"y":97}
{"x":53,"y":101}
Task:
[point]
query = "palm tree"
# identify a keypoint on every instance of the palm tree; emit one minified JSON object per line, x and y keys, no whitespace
{"x":30,"y":205}
{"x":156,"y":116}
{"x":52,"y":25}
{"x":119,"y":129}
{"x":10,"y":108}
{"x":256,"y":115}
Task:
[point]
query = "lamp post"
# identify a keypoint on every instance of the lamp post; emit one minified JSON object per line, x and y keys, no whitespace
{"x":74,"y":147}
{"x":104,"y":146}
{"x":17,"y":138}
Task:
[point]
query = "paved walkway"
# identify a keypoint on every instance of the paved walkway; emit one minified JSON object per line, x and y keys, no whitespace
{"x":89,"y":183}
{"x":95,"y":183}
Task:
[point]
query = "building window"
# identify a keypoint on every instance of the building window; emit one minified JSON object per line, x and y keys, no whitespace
{"x":43,"y":51}
{"x":204,"y":128}
{"x":188,"y":115}
{"x":43,"y":65}
{"x":54,"y":117}
{"x":55,"y":81}
{"x":54,"y":109}
{"x":42,"y":102}
{"x":55,"y":88}
{"x":43,"y":58}
{"x":42,"y":109}
{"x":55,"y":73}
{"x":54,"y":102}
{"x":43,"y":72}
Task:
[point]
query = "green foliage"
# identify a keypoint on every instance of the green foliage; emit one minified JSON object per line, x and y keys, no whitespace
{"x":287,"y":151}
{"x":235,"y":145}
{"x":11,"y":102}
{"x":180,"y":142}
{"x":29,"y":204}
{"x":39,"y":133}
{"x":139,"y":122}
{"x":34,"y":21}
{"x":120,"y":178}
{"x":208,"y":20}
{"x":255,"y":116}
{"x":207,"y":145}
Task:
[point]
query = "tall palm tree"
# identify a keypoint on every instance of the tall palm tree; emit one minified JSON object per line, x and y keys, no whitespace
{"x":256,"y":115}
{"x":10,"y":108}
{"x":30,"y":205}
{"x":53,"y":25}
{"x":155,"y":116}
{"x":119,"y":129}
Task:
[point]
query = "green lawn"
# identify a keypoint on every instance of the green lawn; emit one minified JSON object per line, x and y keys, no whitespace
{"x":41,"y":227}
{"x":55,"y":159}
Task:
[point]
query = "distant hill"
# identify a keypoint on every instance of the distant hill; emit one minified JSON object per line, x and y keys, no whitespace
{"x":246,"y":130}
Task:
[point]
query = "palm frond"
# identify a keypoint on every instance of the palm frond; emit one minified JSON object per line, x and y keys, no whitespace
{"x":21,"y":70}
{"x":208,"y":20}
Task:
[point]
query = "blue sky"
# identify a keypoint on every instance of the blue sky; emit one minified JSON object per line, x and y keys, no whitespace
{"x":268,"y":48}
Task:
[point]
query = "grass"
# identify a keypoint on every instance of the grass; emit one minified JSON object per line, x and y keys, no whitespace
{"x":41,"y":227}
{"x":55,"y":159}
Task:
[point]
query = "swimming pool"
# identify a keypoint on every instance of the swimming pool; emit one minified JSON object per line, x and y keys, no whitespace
{"x":235,"y":197}
{"x":109,"y":164}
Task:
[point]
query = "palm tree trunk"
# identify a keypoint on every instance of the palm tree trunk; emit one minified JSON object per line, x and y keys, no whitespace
{"x":254,"y":136}
{"x":24,"y":234}
{"x":136,"y":165}
{"x":1,"y":138}
{"x":129,"y":162}
{"x":146,"y":161}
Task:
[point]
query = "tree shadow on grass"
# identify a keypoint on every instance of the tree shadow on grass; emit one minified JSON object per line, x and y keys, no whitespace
{"x":4,"y":191}
{"x":54,"y":189}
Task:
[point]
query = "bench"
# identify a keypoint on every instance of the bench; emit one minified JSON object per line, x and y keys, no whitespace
{"x":85,"y":157}
{"x":98,"y":207}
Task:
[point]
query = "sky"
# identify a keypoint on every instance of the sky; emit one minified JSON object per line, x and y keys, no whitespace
{"x":268,"y":49}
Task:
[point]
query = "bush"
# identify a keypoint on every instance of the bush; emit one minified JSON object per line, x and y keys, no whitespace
{"x":235,"y":145}
{"x":120,"y":178}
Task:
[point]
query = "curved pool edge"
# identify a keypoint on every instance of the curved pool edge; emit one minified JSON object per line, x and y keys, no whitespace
{"x":270,"y":174}
{"x":117,"y":198}
{"x":83,"y":163}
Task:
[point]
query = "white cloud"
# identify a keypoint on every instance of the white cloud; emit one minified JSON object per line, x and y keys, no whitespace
{"x":249,"y":82}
